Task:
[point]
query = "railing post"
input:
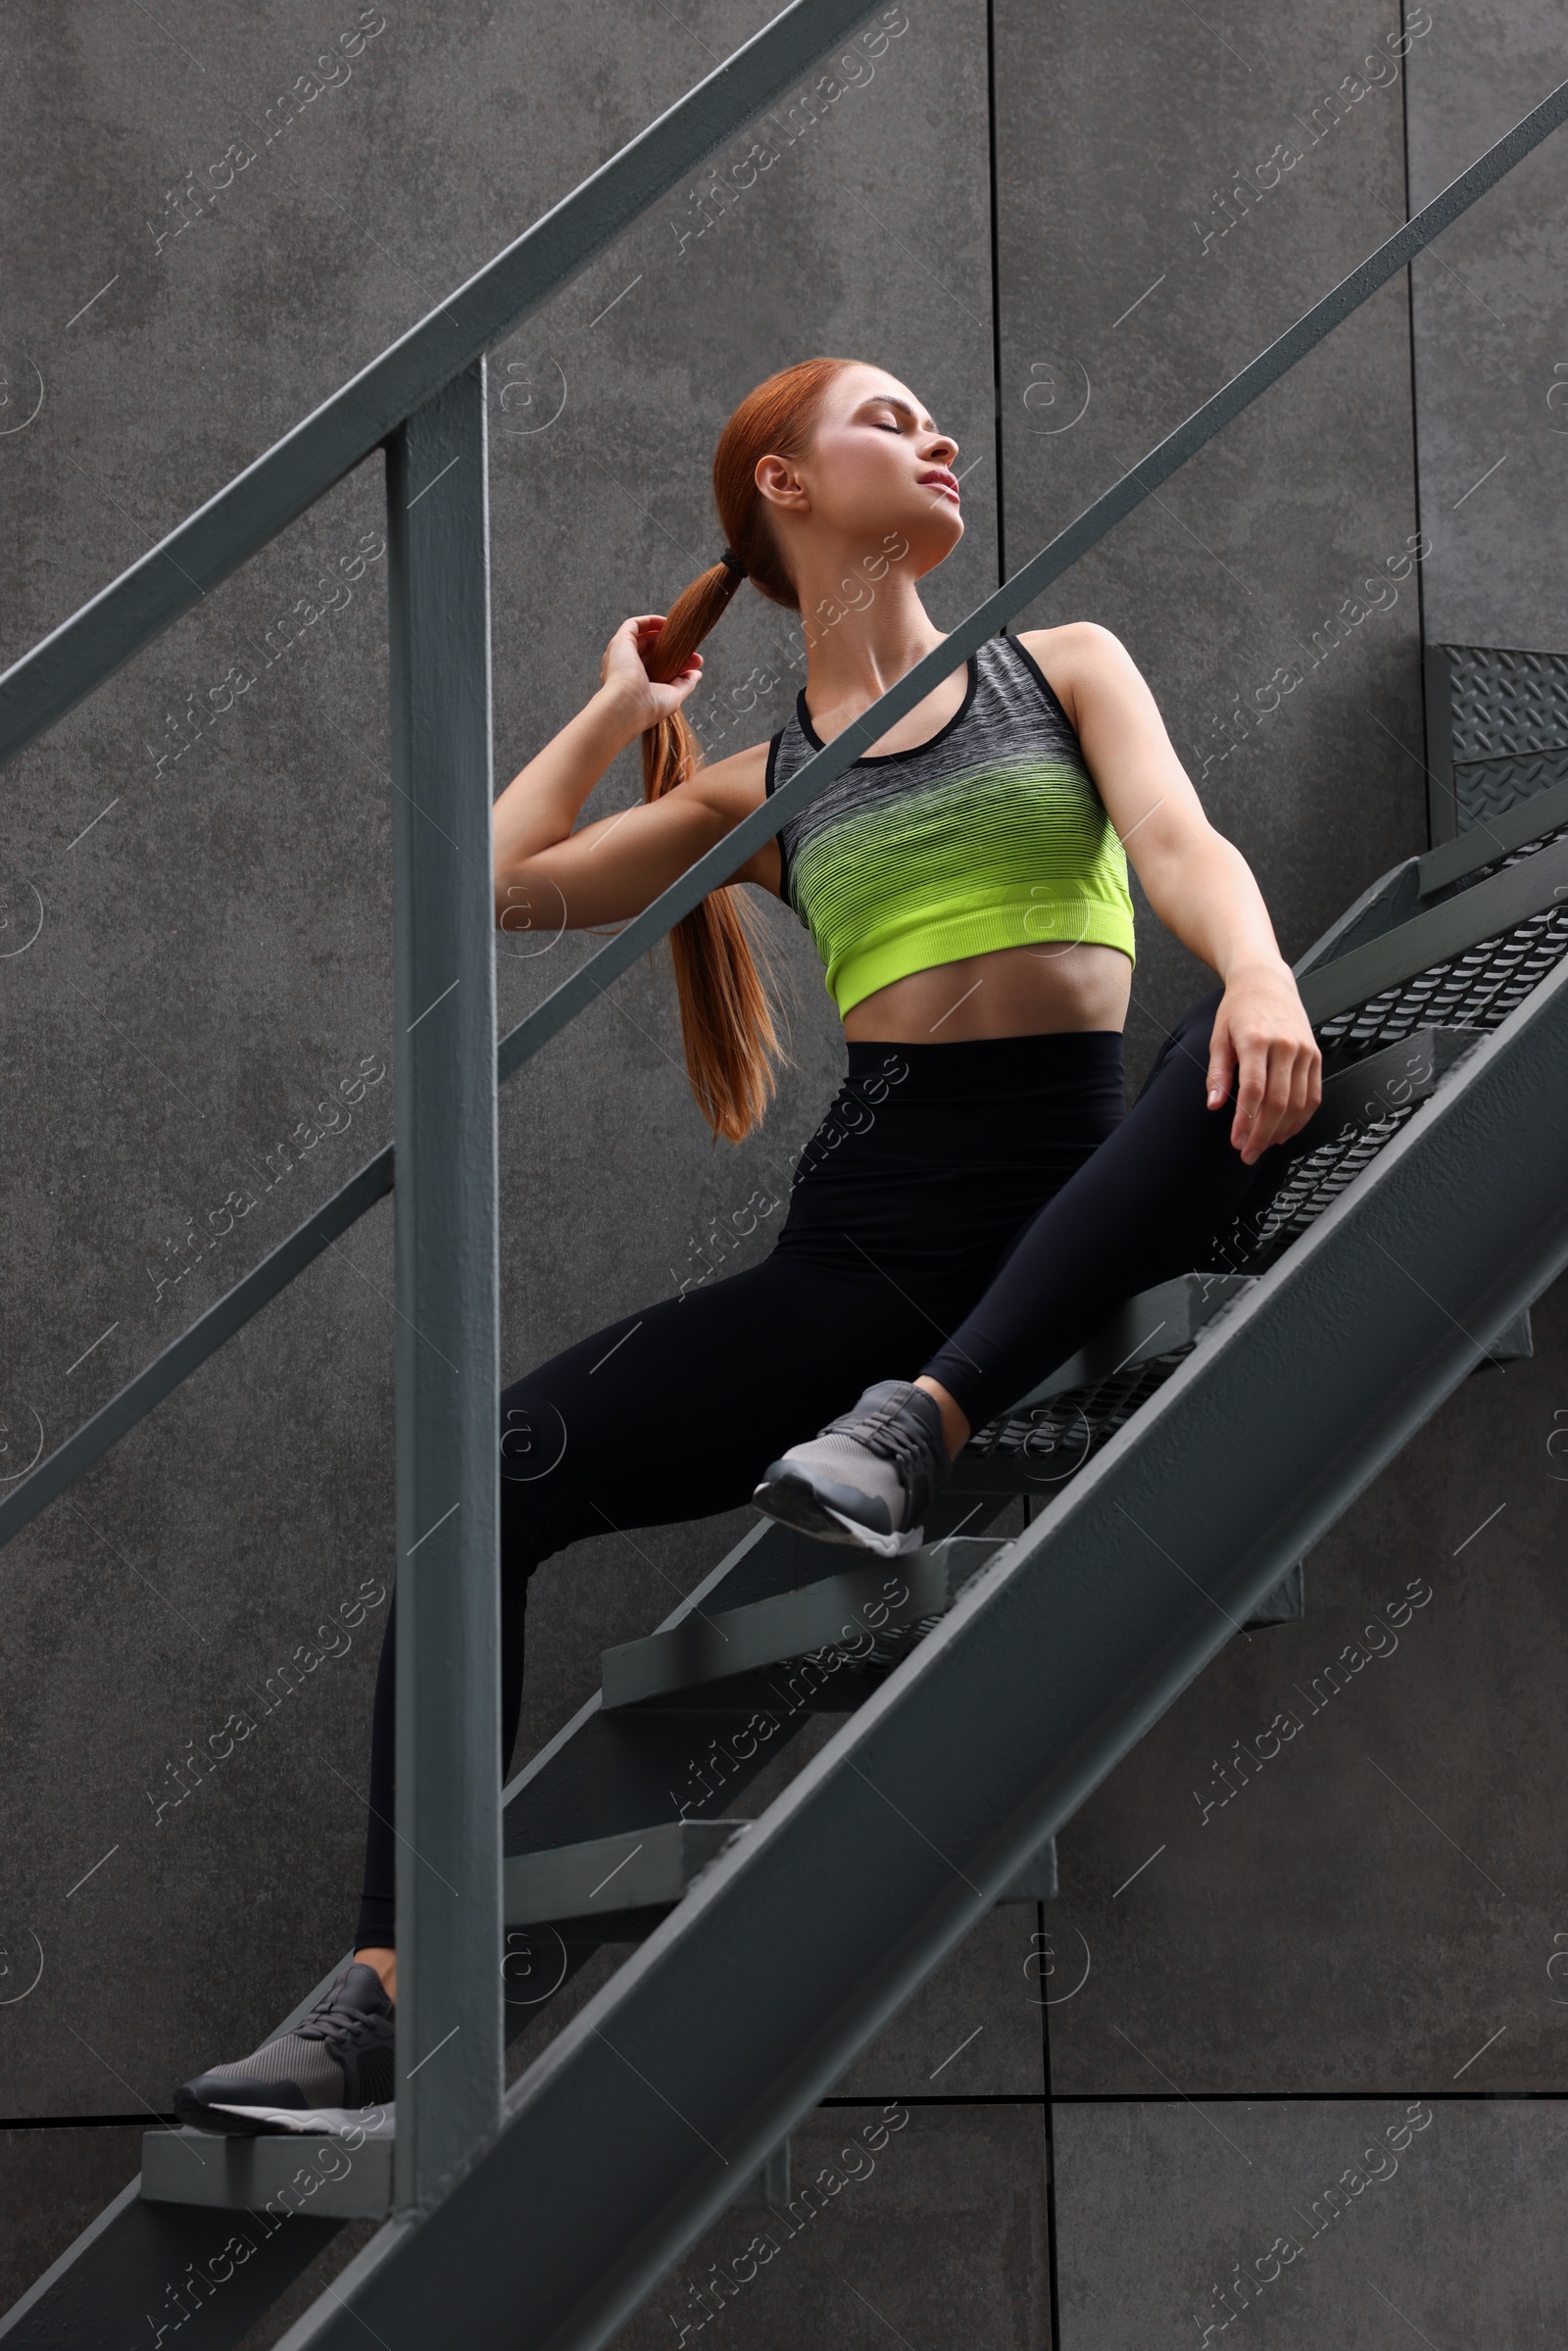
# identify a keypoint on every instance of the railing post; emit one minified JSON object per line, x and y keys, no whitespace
{"x":449,"y":2033}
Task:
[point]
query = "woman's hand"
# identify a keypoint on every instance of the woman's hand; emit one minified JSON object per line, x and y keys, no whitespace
{"x":626,"y":684}
{"x":571,"y":873}
{"x":1263,"y":1042}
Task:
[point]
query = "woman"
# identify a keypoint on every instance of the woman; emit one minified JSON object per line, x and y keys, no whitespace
{"x":978,"y":1182}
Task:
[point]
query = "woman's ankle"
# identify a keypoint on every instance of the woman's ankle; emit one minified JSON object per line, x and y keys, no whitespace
{"x":386,"y":1964}
{"x":956,"y":1429}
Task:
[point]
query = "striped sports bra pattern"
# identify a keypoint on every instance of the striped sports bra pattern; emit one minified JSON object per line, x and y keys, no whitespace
{"x":992,"y":834}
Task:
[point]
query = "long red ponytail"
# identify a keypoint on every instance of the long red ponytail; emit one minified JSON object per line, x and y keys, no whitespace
{"x":725,"y":1016}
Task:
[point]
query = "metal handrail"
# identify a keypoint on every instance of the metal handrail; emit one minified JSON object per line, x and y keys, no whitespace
{"x":585,"y":986}
{"x":76,"y":657}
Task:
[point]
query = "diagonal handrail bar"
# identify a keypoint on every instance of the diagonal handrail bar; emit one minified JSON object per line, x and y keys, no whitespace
{"x":124,"y":618}
{"x":585,"y":986}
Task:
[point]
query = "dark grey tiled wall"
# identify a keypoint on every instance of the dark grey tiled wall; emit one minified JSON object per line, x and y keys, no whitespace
{"x":1155,"y":234}
{"x":198,"y":907}
{"x":1347,"y":1832}
{"x":912,"y":2224}
{"x":1360,"y":2223}
{"x":1491,"y":363}
{"x":213,"y":962}
{"x":52,"y":2184}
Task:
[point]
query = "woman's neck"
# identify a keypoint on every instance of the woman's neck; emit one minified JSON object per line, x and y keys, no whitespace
{"x":852,"y":659}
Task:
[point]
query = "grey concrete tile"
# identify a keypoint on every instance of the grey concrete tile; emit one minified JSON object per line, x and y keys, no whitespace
{"x":927,"y":2224}
{"x":308,"y":2286}
{"x":972,"y":2030}
{"x":1357,"y":2222}
{"x":1489,"y":367}
{"x":1291,"y":688}
{"x":52,"y":2184}
{"x":1372,"y":1898}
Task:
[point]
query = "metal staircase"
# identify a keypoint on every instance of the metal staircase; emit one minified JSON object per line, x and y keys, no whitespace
{"x":1178,"y":1468}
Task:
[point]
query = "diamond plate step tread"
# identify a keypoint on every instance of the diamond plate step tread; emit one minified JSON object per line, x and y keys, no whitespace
{"x":1496,"y":732}
{"x":1505,"y":700}
{"x":1486,"y":789}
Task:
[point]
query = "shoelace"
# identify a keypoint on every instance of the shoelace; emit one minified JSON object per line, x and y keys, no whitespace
{"x":333,"y":2020}
{"x":882,"y":1432}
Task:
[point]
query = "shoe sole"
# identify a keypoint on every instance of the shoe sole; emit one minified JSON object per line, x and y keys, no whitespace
{"x":222,"y":2122}
{"x":795,"y":1503}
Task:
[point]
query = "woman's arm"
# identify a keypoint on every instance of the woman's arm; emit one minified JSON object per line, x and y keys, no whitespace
{"x":549,"y":876}
{"x":1197,"y":883}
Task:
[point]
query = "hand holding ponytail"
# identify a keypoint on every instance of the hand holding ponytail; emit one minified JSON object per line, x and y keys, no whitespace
{"x":726,"y":1022}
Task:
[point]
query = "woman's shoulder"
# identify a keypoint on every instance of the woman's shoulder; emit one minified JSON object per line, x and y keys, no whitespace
{"x":736,"y":782}
{"x":1071,"y":641}
{"x":1073,"y":656}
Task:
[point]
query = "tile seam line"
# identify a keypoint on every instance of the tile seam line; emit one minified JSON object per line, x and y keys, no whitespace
{"x":1220,"y":2097}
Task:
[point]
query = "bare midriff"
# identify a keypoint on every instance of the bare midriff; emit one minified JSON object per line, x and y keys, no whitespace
{"x":1011,"y":992}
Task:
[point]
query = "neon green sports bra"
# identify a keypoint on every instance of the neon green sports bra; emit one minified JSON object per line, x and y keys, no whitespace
{"x":993,"y":834}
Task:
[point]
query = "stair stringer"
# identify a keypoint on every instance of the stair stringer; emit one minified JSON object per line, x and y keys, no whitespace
{"x":619,"y":2144}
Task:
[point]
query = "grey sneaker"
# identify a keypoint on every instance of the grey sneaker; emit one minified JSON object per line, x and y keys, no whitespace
{"x":869,"y":1478}
{"x":339,"y":2056}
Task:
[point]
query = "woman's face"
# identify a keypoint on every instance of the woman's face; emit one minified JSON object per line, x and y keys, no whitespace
{"x":877,"y":463}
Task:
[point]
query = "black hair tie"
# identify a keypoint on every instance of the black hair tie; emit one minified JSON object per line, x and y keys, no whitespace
{"x":733,"y":562}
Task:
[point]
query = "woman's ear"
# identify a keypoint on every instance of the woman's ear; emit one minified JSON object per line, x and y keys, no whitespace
{"x":778,"y":482}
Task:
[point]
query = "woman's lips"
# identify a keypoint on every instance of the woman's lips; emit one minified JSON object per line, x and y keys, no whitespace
{"x":945,"y":482}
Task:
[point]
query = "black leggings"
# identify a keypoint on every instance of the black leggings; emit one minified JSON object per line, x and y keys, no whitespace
{"x":992,"y":1197}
